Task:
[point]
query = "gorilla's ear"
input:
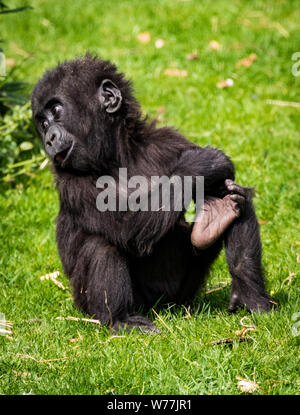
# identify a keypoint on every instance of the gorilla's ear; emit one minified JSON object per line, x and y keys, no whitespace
{"x":110,"y":96}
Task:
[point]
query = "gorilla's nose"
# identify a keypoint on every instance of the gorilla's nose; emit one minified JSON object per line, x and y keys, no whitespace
{"x":53,"y":136}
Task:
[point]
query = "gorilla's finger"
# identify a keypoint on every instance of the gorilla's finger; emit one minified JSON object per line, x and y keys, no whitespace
{"x":239,"y":199}
{"x":235,"y":188}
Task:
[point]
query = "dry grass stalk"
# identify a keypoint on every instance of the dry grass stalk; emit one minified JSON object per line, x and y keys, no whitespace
{"x":283,"y":103}
{"x":5,"y":327}
{"x":27,"y":356}
{"x":87,"y":320}
{"x":213,"y":289}
{"x":108,"y":340}
{"x":53,"y":277}
{"x":109,"y":311}
{"x":162,"y":321}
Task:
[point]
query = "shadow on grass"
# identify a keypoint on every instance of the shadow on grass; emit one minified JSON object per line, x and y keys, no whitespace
{"x":214,"y":302}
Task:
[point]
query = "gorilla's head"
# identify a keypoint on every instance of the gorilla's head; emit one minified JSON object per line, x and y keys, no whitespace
{"x":80,"y":110}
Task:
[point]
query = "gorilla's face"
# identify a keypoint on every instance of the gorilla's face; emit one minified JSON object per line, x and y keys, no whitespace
{"x":59,"y":143}
{"x":75,"y":110}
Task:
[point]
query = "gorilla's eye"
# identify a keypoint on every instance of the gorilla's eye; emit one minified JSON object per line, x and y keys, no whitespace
{"x":56,"y":110}
{"x":45,"y":125}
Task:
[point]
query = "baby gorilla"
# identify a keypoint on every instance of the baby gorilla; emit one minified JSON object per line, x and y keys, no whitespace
{"x":120,"y":261}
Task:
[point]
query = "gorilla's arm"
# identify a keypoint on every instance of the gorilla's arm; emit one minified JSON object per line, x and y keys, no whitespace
{"x":210,"y":163}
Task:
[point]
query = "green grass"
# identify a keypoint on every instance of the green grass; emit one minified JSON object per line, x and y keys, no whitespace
{"x":263,"y":141}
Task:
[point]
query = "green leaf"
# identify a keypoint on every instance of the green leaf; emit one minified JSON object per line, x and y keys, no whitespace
{"x":14,"y":86}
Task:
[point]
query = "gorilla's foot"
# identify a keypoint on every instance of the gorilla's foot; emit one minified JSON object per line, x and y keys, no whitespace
{"x":217,"y":215}
{"x":215,"y":218}
{"x":139,"y":322}
{"x":253,"y":302}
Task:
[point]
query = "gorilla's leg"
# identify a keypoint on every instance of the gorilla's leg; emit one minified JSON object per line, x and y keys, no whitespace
{"x":243,"y":254}
{"x":102,"y":286}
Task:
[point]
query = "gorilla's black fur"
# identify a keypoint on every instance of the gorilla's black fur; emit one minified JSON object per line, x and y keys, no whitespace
{"x":119,"y":261}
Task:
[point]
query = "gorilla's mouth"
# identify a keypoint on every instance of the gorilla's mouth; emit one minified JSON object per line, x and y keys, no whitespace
{"x":62,"y":156}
